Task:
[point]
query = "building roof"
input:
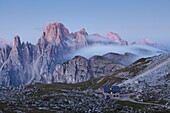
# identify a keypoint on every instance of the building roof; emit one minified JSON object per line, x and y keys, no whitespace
{"x":108,"y":89}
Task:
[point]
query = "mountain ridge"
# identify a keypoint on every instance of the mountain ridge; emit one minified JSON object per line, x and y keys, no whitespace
{"x":25,"y":63}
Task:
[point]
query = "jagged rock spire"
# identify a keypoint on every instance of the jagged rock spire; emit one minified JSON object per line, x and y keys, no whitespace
{"x":17,"y":42}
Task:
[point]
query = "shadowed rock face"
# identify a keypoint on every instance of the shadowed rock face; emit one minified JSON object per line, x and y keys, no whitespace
{"x":17,"y":69}
{"x":4,"y":54}
{"x":79,"y":69}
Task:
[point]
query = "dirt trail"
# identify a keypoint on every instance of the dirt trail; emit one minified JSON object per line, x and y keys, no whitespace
{"x":148,"y":103}
{"x":126,"y":97}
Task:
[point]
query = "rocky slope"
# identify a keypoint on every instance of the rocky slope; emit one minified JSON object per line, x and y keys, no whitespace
{"x":61,"y":97}
{"x":152,"y":81}
{"x":147,"y":79}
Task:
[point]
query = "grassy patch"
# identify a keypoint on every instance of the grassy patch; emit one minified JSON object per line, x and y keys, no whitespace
{"x":132,"y":104}
{"x":3,"y":106}
{"x":135,"y":67}
{"x":64,"y":88}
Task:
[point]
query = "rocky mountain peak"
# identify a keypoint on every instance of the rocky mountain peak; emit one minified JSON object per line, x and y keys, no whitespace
{"x":80,"y":38}
{"x":116,"y":38}
{"x":150,"y":42}
{"x":55,"y":32}
{"x":112,"y":36}
{"x":83,"y":31}
{"x":147,"y":41}
{"x":17,"y":42}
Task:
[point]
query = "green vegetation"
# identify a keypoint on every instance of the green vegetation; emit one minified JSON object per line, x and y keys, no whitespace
{"x":3,"y":106}
{"x":132,"y":104}
{"x":141,"y":60}
{"x":90,"y":84}
{"x":135,"y":67}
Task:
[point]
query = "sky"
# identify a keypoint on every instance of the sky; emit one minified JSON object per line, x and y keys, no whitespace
{"x":133,"y":20}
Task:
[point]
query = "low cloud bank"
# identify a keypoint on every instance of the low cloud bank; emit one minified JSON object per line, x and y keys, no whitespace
{"x":141,"y":51}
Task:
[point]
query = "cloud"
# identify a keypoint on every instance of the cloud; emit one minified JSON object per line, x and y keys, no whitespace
{"x":140,"y":50}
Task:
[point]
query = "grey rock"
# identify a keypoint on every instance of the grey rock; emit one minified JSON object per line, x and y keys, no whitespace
{"x":79,"y":69}
{"x":4,"y":54}
{"x":73,"y":71}
{"x":101,"y":66}
{"x":125,"y":59}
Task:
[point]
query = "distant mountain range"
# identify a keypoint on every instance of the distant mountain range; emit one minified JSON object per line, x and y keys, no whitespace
{"x":3,"y":42}
{"x":53,"y":58}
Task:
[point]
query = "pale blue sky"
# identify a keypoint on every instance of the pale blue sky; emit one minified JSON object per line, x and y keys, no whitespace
{"x":131,"y":19}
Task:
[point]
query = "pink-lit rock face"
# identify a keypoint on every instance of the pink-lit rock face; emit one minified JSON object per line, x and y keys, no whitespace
{"x":116,"y":38}
{"x":147,"y":41}
{"x":58,"y":34}
{"x":55,"y":31}
{"x":150,"y":42}
{"x":83,"y":31}
{"x":80,"y":38}
{"x":80,"y":34}
{"x":113,"y":36}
